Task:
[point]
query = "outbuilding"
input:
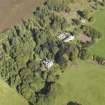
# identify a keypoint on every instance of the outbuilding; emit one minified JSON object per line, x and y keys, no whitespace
{"x":69,"y":38}
{"x":48,"y":63}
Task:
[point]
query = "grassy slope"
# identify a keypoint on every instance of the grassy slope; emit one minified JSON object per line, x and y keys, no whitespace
{"x":99,"y":47}
{"x":8,"y":96}
{"x":84,"y":83}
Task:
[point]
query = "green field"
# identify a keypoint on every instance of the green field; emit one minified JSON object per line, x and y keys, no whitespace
{"x":99,"y":47}
{"x":9,"y":96}
{"x":84,"y":83}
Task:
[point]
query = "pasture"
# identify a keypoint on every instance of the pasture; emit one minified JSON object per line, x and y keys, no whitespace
{"x":84,"y":83}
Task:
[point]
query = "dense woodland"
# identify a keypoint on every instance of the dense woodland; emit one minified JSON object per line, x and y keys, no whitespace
{"x":23,"y":46}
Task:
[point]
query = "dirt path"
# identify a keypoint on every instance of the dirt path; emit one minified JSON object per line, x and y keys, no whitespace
{"x":12,"y":11}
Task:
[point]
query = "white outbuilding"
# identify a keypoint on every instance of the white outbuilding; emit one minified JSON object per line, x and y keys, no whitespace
{"x":62,"y":36}
{"x":69,"y":38}
{"x":48,"y":63}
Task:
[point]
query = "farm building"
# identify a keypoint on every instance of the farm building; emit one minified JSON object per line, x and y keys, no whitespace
{"x":48,"y":63}
{"x":66,"y":37}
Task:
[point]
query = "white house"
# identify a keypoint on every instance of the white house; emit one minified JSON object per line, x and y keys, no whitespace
{"x":66,"y":37}
{"x":62,"y":36}
{"x":69,"y":38}
{"x":48,"y":63}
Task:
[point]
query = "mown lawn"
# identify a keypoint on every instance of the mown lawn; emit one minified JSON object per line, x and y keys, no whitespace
{"x":9,"y":96}
{"x":99,"y":47}
{"x":84,"y":84}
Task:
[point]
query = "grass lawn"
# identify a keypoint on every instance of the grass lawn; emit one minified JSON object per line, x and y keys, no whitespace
{"x":9,"y":96}
{"x":99,"y":47}
{"x":84,"y":84}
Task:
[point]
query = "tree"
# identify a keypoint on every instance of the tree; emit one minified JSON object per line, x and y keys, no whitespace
{"x":84,"y":53}
{"x":74,"y":54}
{"x":61,"y":59}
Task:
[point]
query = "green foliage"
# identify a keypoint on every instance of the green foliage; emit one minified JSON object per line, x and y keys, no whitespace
{"x":24,"y":46}
{"x":58,"y":5}
{"x":84,"y":54}
{"x":74,"y":54}
{"x":91,"y":32}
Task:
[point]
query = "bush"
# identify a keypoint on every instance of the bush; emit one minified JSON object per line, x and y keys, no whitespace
{"x":84,"y":54}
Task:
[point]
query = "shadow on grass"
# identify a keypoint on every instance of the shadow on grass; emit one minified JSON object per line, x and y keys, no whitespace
{"x":73,"y":103}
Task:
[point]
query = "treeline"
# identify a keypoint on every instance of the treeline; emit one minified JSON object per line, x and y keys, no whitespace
{"x":58,"y":5}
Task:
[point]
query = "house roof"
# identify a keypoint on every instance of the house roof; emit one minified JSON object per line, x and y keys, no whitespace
{"x":66,"y":37}
{"x":48,"y":63}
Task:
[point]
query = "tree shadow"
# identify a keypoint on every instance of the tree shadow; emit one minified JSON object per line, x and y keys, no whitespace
{"x":73,"y":103}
